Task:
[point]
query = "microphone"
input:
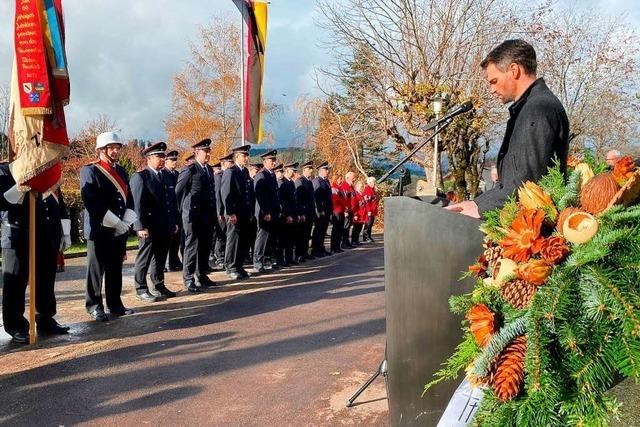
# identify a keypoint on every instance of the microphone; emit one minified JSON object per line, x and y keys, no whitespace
{"x":462,"y":108}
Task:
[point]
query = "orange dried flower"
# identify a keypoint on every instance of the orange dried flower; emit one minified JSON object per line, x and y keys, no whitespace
{"x":623,"y":169}
{"x":535,"y":272}
{"x":554,"y":249}
{"x":523,"y":239}
{"x":483,"y":323}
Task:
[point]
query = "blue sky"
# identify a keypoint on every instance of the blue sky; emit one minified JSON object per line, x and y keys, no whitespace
{"x":122,"y":56}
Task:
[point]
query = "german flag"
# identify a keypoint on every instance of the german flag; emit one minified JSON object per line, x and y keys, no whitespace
{"x":254,"y":14}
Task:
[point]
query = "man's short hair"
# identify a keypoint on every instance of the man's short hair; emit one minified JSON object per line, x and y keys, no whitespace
{"x":512,"y":51}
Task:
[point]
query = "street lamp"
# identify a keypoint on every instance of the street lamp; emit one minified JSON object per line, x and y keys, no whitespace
{"x":436,"y":104}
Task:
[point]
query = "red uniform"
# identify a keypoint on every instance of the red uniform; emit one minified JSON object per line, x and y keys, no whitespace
{"x":349,"y":198}
{"x":337,"y":197}
{"x":371,"y":199}
{"x":360,"y":211}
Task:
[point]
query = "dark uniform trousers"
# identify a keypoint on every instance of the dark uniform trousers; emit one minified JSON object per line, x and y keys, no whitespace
{"x":302,"y":243}
{"x":237,"y":244}
{"x":368,"y":227}
{"x":220,"y":242}
{"x":197,"y":246}
{"x":337,"y":228}
{"x":104,"y":259}
{"x":346,"y":230}
{"x":264,"y":247}
{"x":152,"y":255}
{"x":285,"y":241}
{"x":319,"y":231}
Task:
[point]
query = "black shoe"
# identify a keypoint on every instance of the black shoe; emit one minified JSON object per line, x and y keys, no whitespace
{"x":124,"y":311}
{"x":355,"y":244}
{"x":234,"y":275}
{"x":345,"y":246}
{"x":51,"y":327}
{"x":20,"y":337}
{"x":162,"y":290}
{"x":309,"y":257}
{"x":244,"y":273}
{"x":293,"y":262}
{"x":206,"y":283}
{"x":283,"y":264}
{"x":300,"y":259}
{"x":146,"y":297}
{"x":191,"y":287}
{"x":99,"y":315}
{"x":275,"y":266}
{"x":259,"y":269}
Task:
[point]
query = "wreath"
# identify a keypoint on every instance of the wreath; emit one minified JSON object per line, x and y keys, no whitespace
{"x":553,"y":321}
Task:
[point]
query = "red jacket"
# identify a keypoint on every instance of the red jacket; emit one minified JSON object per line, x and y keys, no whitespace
{"x":349,"y":197}
{"x":371,"y":198}
{"x":360,"y":212}
{"x":337,"y":197}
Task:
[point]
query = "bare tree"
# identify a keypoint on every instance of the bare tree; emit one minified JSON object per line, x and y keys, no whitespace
{"x":592,"y":66}
{"x":5,"y":100}
{"x":419,"y":49}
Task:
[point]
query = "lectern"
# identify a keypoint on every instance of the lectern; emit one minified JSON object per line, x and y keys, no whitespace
{"x":426,"y":249}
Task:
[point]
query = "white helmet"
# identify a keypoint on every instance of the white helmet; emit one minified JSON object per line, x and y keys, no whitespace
{"x":107,"y":138}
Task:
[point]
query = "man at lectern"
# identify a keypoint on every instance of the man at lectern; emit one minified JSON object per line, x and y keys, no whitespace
{"x":537,"y":129}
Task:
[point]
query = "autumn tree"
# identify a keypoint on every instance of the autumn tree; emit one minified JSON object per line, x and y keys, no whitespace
{"x":206,"y":93}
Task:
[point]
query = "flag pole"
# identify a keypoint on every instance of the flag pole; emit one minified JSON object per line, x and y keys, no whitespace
{"x":242,"y":76}
{"x":32,"y":267}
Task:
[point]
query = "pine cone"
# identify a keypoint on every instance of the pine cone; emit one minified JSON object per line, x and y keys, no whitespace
{"x":492,"y":253}
{"x":518,"y":293}
{"x":508,"y":374}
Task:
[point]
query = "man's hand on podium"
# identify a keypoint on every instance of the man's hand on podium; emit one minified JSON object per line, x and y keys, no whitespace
{"x":467,"y":208}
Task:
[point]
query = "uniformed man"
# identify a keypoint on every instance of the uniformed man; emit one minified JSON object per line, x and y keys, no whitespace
{"x":108,"y":215}
{"x":196,"y":196}
{"x":237,"y":196}
{"x":187,"y":159}
{"x":15,"y":259}
{"x":324,"y":209}
{"x":221,"y":239}
{"x":287,"y":197}
{"x":155,"y":225}
{"x":267,"y":212}
{"x":170,"y":175}
{"x":254,"y":168}
{"x":306,"y":203}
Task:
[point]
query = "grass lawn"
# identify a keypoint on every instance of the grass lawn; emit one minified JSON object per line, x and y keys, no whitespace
{"x":79,"y":248}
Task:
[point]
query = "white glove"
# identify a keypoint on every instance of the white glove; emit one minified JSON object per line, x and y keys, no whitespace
{"x":111,"y":220}
{"x":129,"y":217}
{"x":66,"y":231}
{"x":14,"y":196}
{"x":121,"y":228}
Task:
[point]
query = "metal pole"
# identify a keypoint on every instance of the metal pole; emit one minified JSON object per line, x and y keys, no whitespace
{"x":436,"y":157}
{"x":242,"y":76}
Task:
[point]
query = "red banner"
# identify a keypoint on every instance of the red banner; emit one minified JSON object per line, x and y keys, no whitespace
{"x":33,"y":75}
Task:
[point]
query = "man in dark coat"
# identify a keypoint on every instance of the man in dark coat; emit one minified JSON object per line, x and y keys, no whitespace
{"x":155,"y":225}
{"x":537,"y":130}
{"x":196,"y":195}
{"x":307,"y":206}
{"x":237,"y":196}
{"x":108,"y":216}
{"x":267,"y":212}
{"x":324,"y":209}
{"x":170,"y":176}
{"x":288,"y":223}
{"x":15,"y":259}
{"x":221,"y":239}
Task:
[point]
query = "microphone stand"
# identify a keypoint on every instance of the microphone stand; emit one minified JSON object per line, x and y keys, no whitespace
{"x":440,"y":124}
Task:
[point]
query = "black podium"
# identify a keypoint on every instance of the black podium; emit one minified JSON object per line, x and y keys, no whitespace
{"x":426,"y":249}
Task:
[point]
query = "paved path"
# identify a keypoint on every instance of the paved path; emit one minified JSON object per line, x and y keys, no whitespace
{"x":280,"y":349}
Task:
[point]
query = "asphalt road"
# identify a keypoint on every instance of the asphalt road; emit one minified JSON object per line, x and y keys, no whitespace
{"x":285,"y":348}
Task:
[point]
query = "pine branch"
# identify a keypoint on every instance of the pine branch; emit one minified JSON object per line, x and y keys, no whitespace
{"x":464,"y":354}
{"x":553,"y":183}
{"x":498,"y":343}
{"x":572,"y":194}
